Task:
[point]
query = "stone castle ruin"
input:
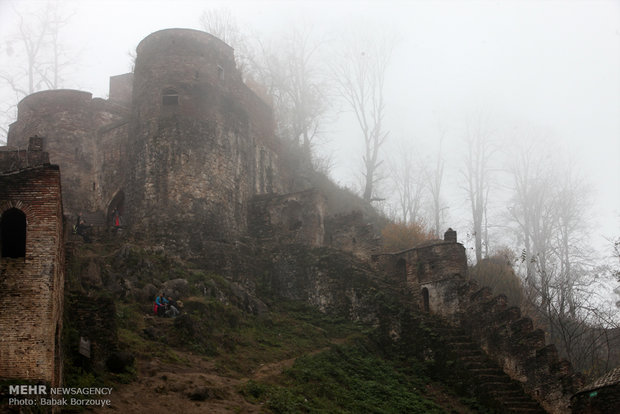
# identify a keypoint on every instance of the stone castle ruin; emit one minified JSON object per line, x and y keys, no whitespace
{"x":188,"y":156}
{"x":182,"y":149}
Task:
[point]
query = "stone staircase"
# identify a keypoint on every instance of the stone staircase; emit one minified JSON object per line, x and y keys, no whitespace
{"x":485,"y":378}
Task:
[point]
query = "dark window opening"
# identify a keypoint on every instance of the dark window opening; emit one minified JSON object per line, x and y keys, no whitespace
{"x":170,"y":97}
{"x":220,"y":72}
{"x":425,"y":300}
{"x":13,"y":233}
{"x":402,"y":269}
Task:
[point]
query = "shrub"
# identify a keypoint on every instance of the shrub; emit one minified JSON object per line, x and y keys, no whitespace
{"x":401,"y":236}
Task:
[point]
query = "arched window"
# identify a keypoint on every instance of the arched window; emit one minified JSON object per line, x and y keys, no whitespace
{"x":13,"y":233}
{"x":169,"y":97}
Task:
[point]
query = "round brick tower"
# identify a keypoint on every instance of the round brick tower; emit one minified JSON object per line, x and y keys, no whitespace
{"x":65,"y":119}
{"x":197,"y":138}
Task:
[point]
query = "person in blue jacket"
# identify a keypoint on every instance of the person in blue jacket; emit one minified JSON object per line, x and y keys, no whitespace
{"x":161,"y":305}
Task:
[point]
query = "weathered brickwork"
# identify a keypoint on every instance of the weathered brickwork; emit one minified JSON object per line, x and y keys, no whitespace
{"x":32,"y":286}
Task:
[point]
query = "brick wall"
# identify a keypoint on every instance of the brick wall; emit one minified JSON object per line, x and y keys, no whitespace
{"x":32,"y":286}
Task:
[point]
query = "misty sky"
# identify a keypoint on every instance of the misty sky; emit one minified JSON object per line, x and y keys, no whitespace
{"x":552,"y":67}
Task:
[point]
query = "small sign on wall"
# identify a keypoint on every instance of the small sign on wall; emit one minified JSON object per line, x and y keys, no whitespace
{"x":84,"y":348}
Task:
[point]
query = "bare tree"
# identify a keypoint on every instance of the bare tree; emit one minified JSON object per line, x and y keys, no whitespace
{"x":38,"y":48}
{"x":36,"y":58}
{"x":360,"y":74}
{"x":222,"y":24}
{"x":408,"y":182}
{"x":616,"y":269}
{"x":434,"y":180}
{"x":477,"y":175}
{"x":548,"y":210}
{"x":301,"y":87}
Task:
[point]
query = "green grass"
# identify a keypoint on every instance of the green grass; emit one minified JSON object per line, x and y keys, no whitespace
{"x":344,"y":379}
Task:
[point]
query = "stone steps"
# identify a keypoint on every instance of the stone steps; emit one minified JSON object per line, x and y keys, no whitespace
{"x":487,"y":378}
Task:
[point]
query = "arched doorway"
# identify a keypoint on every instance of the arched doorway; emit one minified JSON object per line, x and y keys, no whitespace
{"x":425,"y":300}
{"x":116,"y":209}
{"x":13,"y":233}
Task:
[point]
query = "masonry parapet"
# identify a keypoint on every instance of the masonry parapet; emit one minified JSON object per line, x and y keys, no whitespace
{"x":53,"y":101}
{"x":518,"y":347}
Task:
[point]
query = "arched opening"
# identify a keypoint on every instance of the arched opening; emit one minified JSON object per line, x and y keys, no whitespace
{"x":169,"y":97}
{"x":116,"y":209}
{"x":292,"y":214}
{"x":401,"y":270}
{"x":425,"y":300}
{"x":13,"y":233}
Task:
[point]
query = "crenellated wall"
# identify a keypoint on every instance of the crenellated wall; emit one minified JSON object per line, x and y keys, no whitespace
{"x":519,"y":348}
{"x":435,"y":275}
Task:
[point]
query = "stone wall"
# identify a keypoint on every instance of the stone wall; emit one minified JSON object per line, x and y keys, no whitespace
{"x":331,"y":280}
{"x":432,"y":272}
{"x":435,"y":275}
{"x":86,"y":137}
{"x":289,"y":218}
{"x":32,"y":286}
{"x":203,"y":143}
{"x":353,"y":233}
{"x":121,"y":89}
{"x":520,"y":349}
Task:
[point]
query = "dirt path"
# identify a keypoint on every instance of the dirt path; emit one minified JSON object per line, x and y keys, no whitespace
{"x":191,"y":387}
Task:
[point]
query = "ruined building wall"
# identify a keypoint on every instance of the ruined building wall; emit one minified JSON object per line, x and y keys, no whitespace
{"x":32,"y":285}
{"x":80,"y":133}
{"x":294,"y":218}
{"x":435,"y":275}
{"x":65,"y":119}
{"x":353,"y":233}
{"x":432,"y":272}
{"x":203,"y":143}
{"x":180,"y":146}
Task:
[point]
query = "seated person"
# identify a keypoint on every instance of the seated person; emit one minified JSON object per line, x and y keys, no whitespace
{"x":161,"y":306}
{"x":171,"y":310}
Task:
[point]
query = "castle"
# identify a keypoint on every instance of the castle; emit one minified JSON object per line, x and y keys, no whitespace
{"x":181,"y":141}
{"x":188,"y":156}
{"x":182,"y":149}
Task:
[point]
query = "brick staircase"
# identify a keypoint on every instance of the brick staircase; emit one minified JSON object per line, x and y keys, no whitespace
{"x":487,"y":380}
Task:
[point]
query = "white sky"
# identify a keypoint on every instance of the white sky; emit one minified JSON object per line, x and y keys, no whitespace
{"x":547,"y":65}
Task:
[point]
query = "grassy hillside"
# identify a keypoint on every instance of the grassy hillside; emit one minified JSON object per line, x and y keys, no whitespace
{"x":219,"y":357}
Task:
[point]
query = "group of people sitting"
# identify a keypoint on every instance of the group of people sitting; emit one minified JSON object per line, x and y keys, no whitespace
{"x":164,"y":306}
